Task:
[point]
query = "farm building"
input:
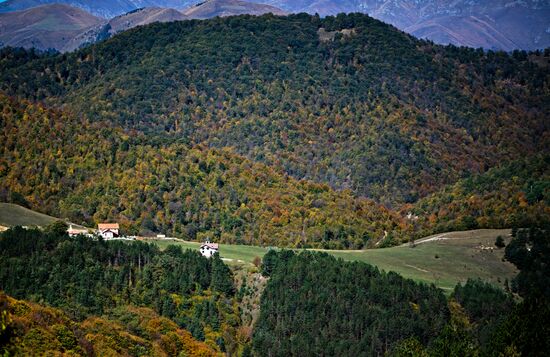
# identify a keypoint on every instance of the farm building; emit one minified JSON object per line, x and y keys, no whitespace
{"x":74,"y":231}
{"x":108,"y":230}
{"x":209,"y":249}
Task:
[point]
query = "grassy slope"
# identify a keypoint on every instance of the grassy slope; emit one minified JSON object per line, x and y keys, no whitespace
{"x":459,"y":258}
{"x":14,"y":215}
{"x":237,"y":253}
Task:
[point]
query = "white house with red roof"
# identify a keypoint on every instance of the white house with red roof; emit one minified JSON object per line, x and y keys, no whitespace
{"x":108,"y":230}
{"x":209,"y":249}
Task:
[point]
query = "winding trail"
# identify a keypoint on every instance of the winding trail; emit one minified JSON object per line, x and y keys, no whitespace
{"x":442,"y":236}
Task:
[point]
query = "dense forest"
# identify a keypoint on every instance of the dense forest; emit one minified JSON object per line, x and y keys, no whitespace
{"x":317,"y":305}
{"x":92,"y":174}
{"x":515,"y":194}
{"x":370,"y":112}
{"x":92,"y":278}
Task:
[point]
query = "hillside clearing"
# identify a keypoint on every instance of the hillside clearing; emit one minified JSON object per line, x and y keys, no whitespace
{"x":443,"y":262}
{"x":14,"y":215}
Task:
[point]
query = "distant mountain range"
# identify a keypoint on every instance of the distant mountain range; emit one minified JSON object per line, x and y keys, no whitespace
{"x":215,"y":8}
{"x":102,"y":8}
{"x":491,"y":24}
{"x":108,"y":28}
{"x":66,"y":28}
{"x":44,"y":27}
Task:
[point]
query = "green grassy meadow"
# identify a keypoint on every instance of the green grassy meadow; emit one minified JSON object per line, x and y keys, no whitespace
{"x":14,"y":215}
{"x":444,"y":262}
{"x":233,"y":254}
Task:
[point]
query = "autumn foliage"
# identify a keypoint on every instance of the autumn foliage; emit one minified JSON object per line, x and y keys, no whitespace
{"x":34,"y":329}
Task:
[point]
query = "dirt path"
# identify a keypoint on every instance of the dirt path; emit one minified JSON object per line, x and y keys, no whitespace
{"x":442,"y":236}
{"x":417,"y":268}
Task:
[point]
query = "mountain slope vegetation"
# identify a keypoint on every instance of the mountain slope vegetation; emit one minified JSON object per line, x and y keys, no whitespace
{"x":513,"y":195}
{"x":32,"y":329}
{"x":184,"y":127}
{"x":388,"y":116}
{"x":93,"y":174}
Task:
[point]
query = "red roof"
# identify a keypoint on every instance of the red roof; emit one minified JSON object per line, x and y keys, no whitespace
{"x":210,"y":245}
{"x":107,"y":226}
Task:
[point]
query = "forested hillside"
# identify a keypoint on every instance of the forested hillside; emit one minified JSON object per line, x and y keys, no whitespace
{"x":89,"y":173}
{"x":390,"y":117}
{"x":370,"y":111}
{"x":318,"y":305}
{"x":30,"y":329}
{"x":88,"y":278}
{"x":516,"y":194}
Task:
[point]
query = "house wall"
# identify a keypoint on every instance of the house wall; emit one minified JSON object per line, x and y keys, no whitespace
{"x":207,"y":252}
{"x":107,"y":234}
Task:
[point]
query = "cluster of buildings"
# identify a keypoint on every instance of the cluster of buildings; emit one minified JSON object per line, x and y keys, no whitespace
{"x":112,"y":231}
{"x":105,"y":230}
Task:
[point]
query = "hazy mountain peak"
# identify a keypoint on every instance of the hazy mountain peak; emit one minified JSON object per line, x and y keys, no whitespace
{"x":102,"y":8}
{"x":44,"y":27}
{"x":497,"y":24}
{"x":139,"y":17}
{"x":213,"y":8}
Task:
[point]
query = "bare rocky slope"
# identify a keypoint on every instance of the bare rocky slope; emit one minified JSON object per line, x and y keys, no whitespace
{"x":222,"y":8}
{"x":102,"y":8}
{"x":44,"y":27}
{"x":106,"y":29}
